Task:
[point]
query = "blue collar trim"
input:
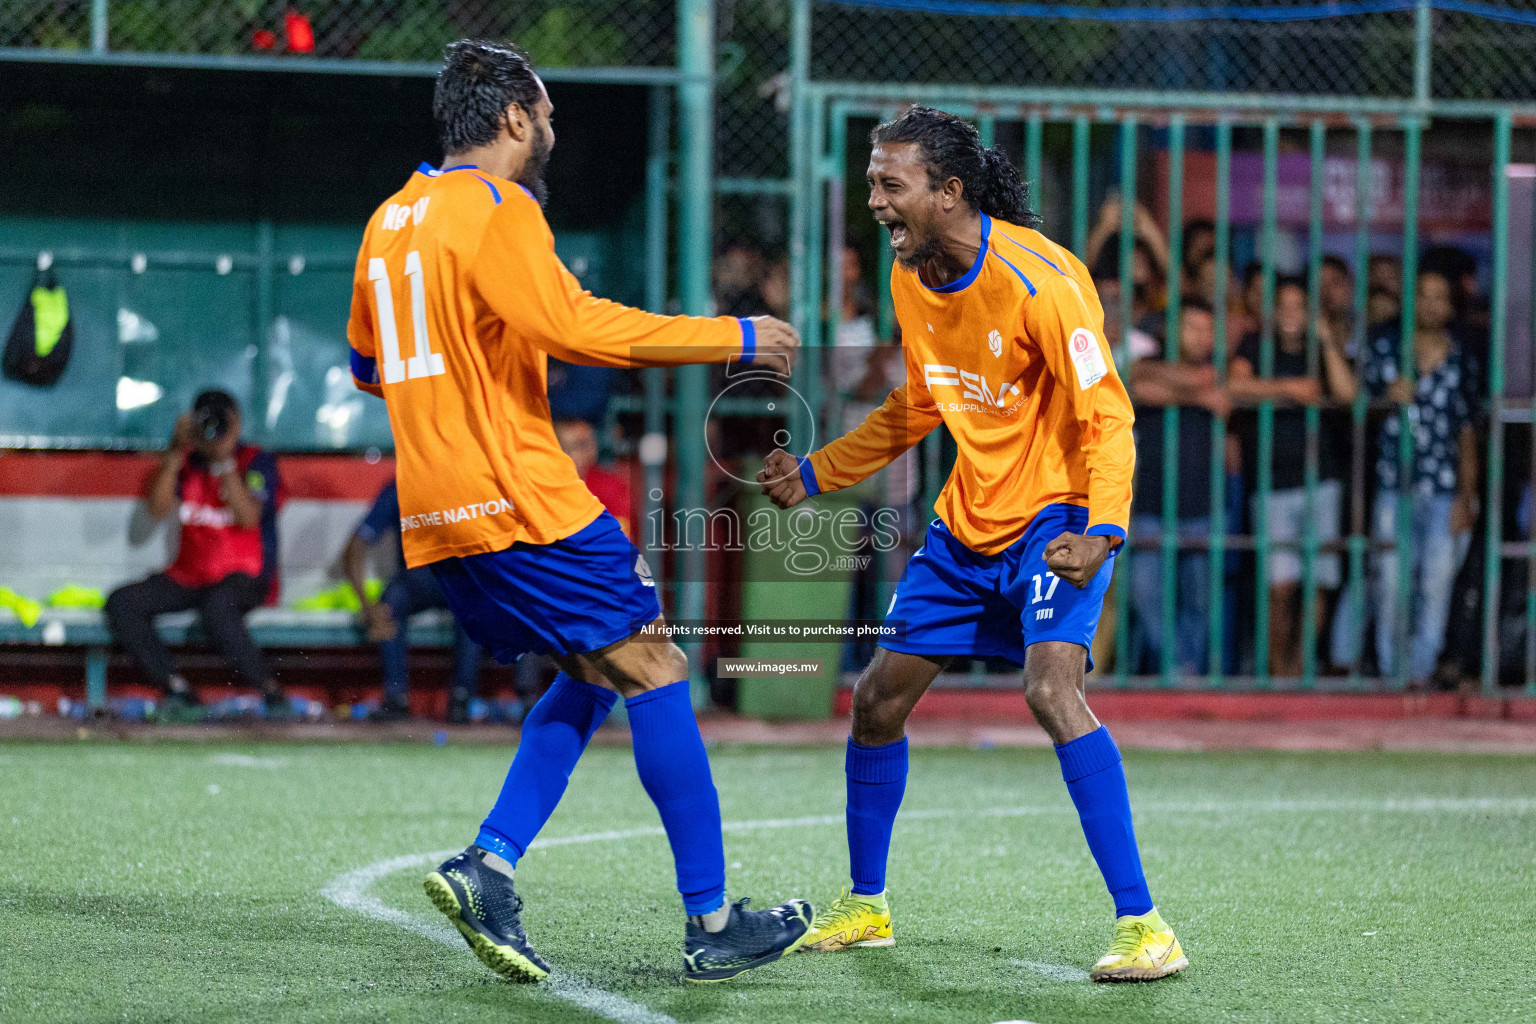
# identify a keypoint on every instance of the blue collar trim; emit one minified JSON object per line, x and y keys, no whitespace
{"x":433,"y":172}
{"x":959,"y":284}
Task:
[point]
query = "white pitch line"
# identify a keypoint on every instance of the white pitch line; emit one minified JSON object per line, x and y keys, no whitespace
{"x":1056,"y":972}
{"x":350,"y":891}
{"x":229,"y":759}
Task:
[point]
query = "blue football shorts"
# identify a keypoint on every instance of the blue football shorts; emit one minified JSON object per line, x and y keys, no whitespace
{"x":955,"y":602}
{"x":574,"y":596}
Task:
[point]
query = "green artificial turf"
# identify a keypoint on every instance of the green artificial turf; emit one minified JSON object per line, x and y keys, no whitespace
{"x":183,"y":882}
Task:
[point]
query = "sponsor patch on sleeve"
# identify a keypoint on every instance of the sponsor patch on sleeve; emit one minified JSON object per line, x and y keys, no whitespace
{"x":1087,"y":357}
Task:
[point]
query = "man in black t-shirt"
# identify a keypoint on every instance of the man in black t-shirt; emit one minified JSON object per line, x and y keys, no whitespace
{"x":1190,"y":384}
{"x":1293,"y":385}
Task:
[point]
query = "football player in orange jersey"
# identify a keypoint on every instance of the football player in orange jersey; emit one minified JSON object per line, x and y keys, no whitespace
{"x":526,"y":556}
{"x":1003,"y":338}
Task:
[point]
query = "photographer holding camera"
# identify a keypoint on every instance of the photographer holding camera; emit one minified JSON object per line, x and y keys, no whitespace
{"x":226,"y":495}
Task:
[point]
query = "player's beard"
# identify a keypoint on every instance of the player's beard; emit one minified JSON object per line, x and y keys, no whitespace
{"x":532,"y":177}
{"x":922,"y":253}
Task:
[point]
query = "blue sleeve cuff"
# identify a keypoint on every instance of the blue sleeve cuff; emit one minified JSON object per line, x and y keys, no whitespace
{"x":808,"y":477}
{"x":363,"y":368}
{"x":1106,"y":530}
{"x":748,"y":339}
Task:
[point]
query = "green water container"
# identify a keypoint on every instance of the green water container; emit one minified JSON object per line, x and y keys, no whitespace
{"x":775,"y":593}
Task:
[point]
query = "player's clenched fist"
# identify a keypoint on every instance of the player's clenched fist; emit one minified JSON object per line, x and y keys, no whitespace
{"x":777,"y":343}
{"x":780,"y":477}
{"x":1076,"y":558}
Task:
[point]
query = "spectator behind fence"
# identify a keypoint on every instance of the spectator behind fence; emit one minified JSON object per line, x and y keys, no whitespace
{"x":1472,"y":317}
{"x":736,"y":275}
{"x":1149,"y":261}
{"x":1189,"y":383}
{"x":1336,"y":302}
{"x":1202,"y":285}
{"x":775,"y":289}
{"x":1292,"y":385}
{"x":578,"y":440}
{"x":1199,"y":244}
{"x":1384,"y":289}
{"x":226,"y":495}
{"x":1140,"y":344}
{"x":387,"y":620}
{"x":1442,"y":480}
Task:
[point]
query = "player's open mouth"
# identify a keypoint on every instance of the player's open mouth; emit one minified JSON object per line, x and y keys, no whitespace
{"x":898,"y":232}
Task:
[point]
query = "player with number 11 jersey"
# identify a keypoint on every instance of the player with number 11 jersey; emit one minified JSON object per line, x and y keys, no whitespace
{"x":458,"y":302}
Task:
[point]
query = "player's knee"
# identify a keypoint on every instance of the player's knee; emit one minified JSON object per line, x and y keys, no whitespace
{"x":663,"y":665}
{"x":1042,"y":691}
{"x":878,"y":712}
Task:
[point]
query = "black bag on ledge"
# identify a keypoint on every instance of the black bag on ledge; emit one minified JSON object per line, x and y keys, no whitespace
{"x":38,"y":347}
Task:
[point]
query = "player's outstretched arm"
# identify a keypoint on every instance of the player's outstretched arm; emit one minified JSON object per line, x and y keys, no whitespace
{"x":518,"y":275}
{"x":781,"y":480}
{"x":906,"y":417}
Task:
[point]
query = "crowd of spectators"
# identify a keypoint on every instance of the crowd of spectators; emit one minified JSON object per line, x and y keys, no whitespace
{"x":1358,"y":487}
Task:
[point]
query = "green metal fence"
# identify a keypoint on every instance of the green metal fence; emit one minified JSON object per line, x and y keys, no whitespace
{"x":1122,"y":122}
{"x":754,"y":104}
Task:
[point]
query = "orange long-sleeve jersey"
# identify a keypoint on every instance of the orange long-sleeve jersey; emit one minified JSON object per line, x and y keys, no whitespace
{"x":1011,"y":357}
{"x":457,"y":302}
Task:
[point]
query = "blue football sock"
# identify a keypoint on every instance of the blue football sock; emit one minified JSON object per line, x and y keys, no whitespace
{"x":1096,"y":780}
{"x":669,"y":755}
{"x":877,"y":778}
{"x":554,"y":734}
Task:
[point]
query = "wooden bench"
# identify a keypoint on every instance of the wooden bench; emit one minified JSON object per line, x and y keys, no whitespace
{"x":270,"y":627}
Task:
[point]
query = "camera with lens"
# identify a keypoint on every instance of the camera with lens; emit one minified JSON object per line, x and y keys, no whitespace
{"x":211,"y":424}
{"x":214,"y":415}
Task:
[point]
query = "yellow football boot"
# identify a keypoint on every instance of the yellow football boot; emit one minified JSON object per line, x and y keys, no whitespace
{"x":850,"y":921}
{"x":1144,"y":949}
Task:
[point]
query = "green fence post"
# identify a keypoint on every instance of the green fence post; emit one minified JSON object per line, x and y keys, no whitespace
{"x":1530,"y":548}
{"x":1080,"y":140}
{"x":800,"y":146}
{"x":1266,"y":414}
{"x":986,"y":127}
{"x":265,"y":312}
{"x":1494,"y":519}
{"x":1033,"y":136}
{"x":696,"y":60}
{"x":835,"y":168}
{"x":99,"y":26}
{"x":1127,"y":239}
{"x":1171,"y":538}
{"x":1408,"y":371}
{"x":1314,"y":414}
{"x":1123,"y":364}
{"x":815,"y":233}
{"x":1360,"y":527}
{"x":654,"y":381}
{"x":1218,"y":607}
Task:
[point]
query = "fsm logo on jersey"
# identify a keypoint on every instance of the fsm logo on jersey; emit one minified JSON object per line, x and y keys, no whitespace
{"x":975,"y":386}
